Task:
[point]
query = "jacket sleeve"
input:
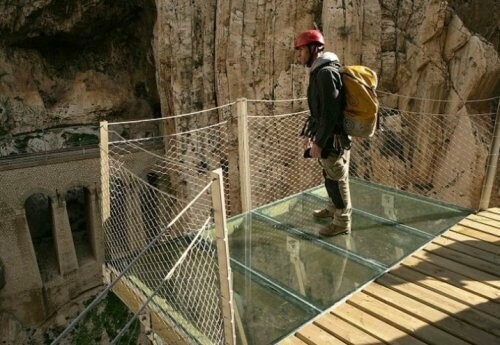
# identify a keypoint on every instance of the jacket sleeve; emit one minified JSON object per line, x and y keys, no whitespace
{"x":330,"y":105}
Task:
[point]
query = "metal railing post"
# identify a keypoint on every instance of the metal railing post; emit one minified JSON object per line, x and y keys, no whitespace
{"x":491,"y":168}
{"x":226,"y":278}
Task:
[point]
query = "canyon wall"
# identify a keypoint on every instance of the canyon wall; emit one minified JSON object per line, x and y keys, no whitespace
{"x":421,"y":49}
{"x":65,"y":65}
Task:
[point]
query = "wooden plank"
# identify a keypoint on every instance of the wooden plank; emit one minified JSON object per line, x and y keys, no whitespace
{"x":448,"y":290}
{"x":430,"y":315}
{"x":447,"y":293}
{"x":490,"y":215}
{"x":467,"y":249}
{"x":374,"y":326}
{"x":480,"y":218}
{"x":159,"y":323}
{"x":473,"y":242}
{"x":476,"y":234}
{"x":455,"y":273}
{"x":292,"y":340}
{"x":404,"y":321}
{"x":495,"y":210}
{"x":443,"y":303}
{"x":225,"y":274}
{"x":344,"y":330}
{"x":476,"y":225}
{"x":313,"y":335}
{"x":464,"y":259}
{"x":243,"y":155}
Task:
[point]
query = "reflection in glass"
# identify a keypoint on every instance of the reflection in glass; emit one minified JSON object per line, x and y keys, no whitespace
{"x":285,"y":274}
{"x":265,"y":314}
{"x":318,"y":273}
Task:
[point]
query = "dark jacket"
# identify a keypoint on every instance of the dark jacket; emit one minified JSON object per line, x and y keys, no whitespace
{"x":326,"y":100}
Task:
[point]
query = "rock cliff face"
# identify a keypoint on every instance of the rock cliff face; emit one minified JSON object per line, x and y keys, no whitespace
{"x":420,"y":48}
{"x":64,"y":64}
{"x":412,"y":44}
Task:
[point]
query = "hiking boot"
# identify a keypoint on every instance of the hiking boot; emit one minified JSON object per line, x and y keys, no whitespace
{"x":333,"y":230}
{"x":324,"y":213}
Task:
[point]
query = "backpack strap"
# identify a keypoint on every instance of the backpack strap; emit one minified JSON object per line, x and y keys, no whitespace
{"x":340,"y":138}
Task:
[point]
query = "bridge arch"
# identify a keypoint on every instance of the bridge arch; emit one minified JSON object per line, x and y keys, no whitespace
{"x":38,"y":209}
{"x":25,"y":194}
{"x":72,"y":183}
{"x":78,"y":207}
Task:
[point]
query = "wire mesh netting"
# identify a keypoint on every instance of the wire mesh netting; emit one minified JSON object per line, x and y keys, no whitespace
{"x":277,"y":166}
{"x":163,"y":264}
{"x":159,"y":233}
{"x":178,"y":274}
{"x":427,"y":147}
{"x":161,"y":254}
{"x":174,"y":161}
{"x":173,"y":270}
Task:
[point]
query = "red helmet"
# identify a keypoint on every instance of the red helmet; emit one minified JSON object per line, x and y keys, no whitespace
{"x":308,"y":37}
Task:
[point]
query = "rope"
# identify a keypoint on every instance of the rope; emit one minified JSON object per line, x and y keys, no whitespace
{"x":166,"y":135}
{"x":436,"y":100}
{"x":435,"y":114}
{"x":276,"y":100}
{"x":175,"y":116}
{"x":143,"y":251}
{"x":162,"y":158}
{"x":196,"y":130}
{"x":278,"y":116}
{"x":167,"y":277}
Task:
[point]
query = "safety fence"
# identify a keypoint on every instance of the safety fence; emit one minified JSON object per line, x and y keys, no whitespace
{"x":158,"y":205}
{"x":166,"y":255}
{"x":431,"y":148}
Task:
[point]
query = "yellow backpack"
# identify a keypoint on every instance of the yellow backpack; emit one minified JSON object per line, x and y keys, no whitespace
{"x":360,"y":114}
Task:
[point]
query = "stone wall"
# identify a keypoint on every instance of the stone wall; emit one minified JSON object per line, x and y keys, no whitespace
{"x":41,"y":279}
{"x":31,"y":293}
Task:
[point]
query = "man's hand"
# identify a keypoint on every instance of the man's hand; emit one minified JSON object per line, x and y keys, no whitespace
{"x":315,"y":150}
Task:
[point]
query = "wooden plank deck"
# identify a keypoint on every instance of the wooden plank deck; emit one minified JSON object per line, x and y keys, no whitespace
{"x":447,"y":293}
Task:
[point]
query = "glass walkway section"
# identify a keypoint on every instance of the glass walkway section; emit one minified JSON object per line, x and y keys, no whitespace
{"x":284,"y":274}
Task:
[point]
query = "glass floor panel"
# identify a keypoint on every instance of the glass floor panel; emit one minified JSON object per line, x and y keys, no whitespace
{"x":311,"y":272}
{"x":377,"y":242}
{"x":424,"y":214}
{"x":266,"y":313}
{"x":284,"y":274}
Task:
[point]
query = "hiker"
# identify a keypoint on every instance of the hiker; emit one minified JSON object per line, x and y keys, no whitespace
{"x":324,"y":137}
